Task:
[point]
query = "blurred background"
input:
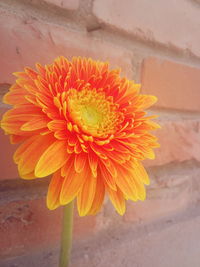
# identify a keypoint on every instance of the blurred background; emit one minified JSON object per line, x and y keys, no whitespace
{"x":156,"y":43}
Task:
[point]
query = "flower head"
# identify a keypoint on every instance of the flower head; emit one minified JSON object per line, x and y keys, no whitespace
{"x":84,"y":124}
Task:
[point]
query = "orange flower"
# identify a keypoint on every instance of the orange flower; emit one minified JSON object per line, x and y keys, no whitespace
{"x":85,"y":125}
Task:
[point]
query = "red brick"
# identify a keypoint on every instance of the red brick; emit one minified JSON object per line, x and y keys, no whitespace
{"x":25,"y":41}
{"x":29,"y":225}
{"x":68,"y":4}
{"x":146,"y":20}
{"x":162,"y":203}
{"x":179,"y":140}
{"x":175,"y":85}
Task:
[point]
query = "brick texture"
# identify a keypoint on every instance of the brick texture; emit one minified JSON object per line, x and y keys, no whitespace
{"x":156,"y":43}
{"x":29,"y":225}
{"x":68,"y":4}
{"x":35,"y":41}
{"x":175,"y":85}
{"x":170,"y":191}
{"x":146,"y":20}
{"x":179,"y":141}
{"x":8,"y":168}
{"x":173,"y":243}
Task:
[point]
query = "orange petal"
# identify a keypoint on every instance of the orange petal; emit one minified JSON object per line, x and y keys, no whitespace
{"x":52,"y":159}
{"x":27,"y":176}
{"x":15,"y":97}
{"x":126,"y":183}
{"x":54,"y":190}
{"x":117,"y":199}
{"x":66,"y":166}
{"x":72,"y":183}
{"x":22,"y":110}
{"x":23,"y":147}
{"x":80,"y":161}
{"x":56,"y":125}
{"x":99,"y":196}
{"x":11,"y":127}
{"x":32,"y":154}
{"x":15,"y":139}
{"x":145,"y":101}
{"x":140,"y":172}
{"x":86,"y":195}
{"x":147,"y":152}
{"x":107,"y":177}
{"x":31,"y":73}
{"x":35,"y":124}
{"x":93,"y":162}
{"x":119,"y":147}
{"x":110,"y":166}
{"x":141,"y":192}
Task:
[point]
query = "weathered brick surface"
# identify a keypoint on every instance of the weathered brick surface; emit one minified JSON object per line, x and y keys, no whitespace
{"x":171,"y":243}
{"x":36,"y":41}
{"x":68,"y":4}
{"x":7,"y":167}
{"x":175,"y":85}
{"x":179,"y":141}
{"x":29,"y":225}
{"x":153,"y":232}
{"x":147,"y":21}
{"x":171,"y":190}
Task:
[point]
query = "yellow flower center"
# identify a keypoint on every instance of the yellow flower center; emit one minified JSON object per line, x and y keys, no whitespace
{"x":90,"y":115}
{"x":93,"y":112}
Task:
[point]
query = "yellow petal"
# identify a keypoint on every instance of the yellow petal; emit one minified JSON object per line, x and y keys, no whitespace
{"x":27,"y":176}
{"x":72,"y":183}
{"x":35,"y":124}
{"x":23,"y":147}
{"x":117,"y":199}
{"x":107,"y":177}
{"x":32,"y":154}
{"x":93,"y":162}
{"x":86,"y":195}
{"x":141,"y":192}
{"x":15,"y":97}
{"x":145,"y":101}
{"x":126,"y":183}
{"x":99,"y":196}
{"x":54,"y":190}
{"x":140,"y":173}
{"x":52,"y":159}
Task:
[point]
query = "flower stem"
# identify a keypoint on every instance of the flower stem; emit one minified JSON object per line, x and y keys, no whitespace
{"x":66,"y":238}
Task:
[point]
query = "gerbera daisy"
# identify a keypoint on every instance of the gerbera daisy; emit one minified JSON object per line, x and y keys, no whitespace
{"x":84,"y":124}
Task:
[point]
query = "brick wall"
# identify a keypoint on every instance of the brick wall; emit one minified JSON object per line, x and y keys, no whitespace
{"x":156,"y":43}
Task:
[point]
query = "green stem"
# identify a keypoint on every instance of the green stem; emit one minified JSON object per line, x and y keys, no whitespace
{"x":66,"y":238}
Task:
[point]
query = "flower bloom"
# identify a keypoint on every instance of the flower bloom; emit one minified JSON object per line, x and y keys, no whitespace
{"x":84,"y":124}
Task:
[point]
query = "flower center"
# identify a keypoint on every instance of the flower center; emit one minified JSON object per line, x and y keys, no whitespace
{"x":91,"y":115}
{"x":93,"y":112}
